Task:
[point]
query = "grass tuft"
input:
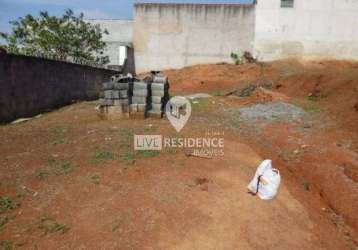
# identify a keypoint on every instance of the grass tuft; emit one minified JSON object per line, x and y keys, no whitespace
{"x":7,"y":204}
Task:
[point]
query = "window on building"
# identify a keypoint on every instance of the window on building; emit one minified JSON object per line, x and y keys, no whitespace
{"x":122,"y":55}
{"x":287,"y":3}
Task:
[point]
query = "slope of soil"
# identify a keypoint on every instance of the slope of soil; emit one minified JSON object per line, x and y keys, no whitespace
{"x":74,"y":181}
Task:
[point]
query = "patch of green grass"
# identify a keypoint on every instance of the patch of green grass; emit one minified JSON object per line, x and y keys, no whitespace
{"x":219,"y":93}
{"x":129,"y":158}
{"x":148,"y":153}
{"x":96,"y":179}
{"x":41,"y":174}
{"x":6,"y":245}
{"x":61,"y":166}
{"x":105,"y":155}
{"x":49,"y":225}
{"x":59,"y":142}
{"x":66,"y":167}
{"x":313,"y":98}
{"x":7,"y":204}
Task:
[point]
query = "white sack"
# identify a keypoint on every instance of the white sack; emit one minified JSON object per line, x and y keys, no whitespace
{"x":269,"y":181}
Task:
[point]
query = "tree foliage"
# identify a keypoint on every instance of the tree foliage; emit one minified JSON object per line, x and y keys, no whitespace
{"x":68,"y":38}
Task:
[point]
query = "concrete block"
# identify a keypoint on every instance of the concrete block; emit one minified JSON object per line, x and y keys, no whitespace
{"x":140,"y":85}
{"x":155,"y":114}
{"x":157,"y":107}
{"x":140,"y":92}
{"x":159,"y":86}
{"x":123,"y":94}
{"x":133,"y":108}
{"x":157,"y":99}
{"x":108,"y":102}
{"x":159,"y":93}
{"x":139,"y":100}
{"x":107,"y":85}
{"x":115,"y":94}
{"x":120,"y":102}
{"x":108,"y":94}
{"x":160,"y":79}
{"x":142,"y":107}
{"x":121,"y":85}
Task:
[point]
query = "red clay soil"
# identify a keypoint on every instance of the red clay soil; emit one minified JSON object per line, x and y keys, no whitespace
{"x":76,"y":182}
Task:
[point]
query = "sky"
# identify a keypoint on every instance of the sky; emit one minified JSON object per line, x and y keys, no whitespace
{"x":104,"y":9}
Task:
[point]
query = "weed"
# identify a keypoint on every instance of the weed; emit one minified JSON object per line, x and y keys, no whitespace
{"x":61,"y":166}
{"x":66,"y":167}
{"x":59,"y":142}
{"x":96,"y":179}
{"x":7,"y":204}
{"x":58,"y":227}
{"x":219,"y":93}
{"x":6,"y":245}
{"x":104,"y":155}
{"x":49,"y":225}
{"x":306,"y":184}
{"x":129,"y":158}
{"x":41,"y":174}
{"x":313,"y":98}
{"x":116,"y":225}
{"x":148,"y":153}
{"x":47,"y":217}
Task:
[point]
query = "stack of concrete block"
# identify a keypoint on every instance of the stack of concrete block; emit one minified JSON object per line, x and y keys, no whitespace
{"x":140,"y":99}
{"x":115,"y":95}
{"x":159,"y":94}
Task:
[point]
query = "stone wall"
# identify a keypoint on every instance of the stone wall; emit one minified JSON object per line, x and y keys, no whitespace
{"x":29,"y":85}
{"x":178,"y":35}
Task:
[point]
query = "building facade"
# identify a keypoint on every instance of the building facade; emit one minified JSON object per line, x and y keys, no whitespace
{"x":166,"y":36}
{"x":118,"y":41}
{"x":178,"y":35}
{"x":306,"y":28}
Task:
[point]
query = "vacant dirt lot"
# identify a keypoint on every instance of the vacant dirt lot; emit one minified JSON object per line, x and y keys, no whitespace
{"x":70,"y":180}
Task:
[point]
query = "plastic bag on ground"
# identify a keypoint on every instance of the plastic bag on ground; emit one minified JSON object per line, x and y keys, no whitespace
{"x":266,"y":181}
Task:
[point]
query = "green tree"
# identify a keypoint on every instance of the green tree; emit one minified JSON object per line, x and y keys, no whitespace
{"x":68,"y":37}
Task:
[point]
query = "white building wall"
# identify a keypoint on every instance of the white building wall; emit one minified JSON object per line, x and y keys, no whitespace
{"x":312,"y":29}
{"x":170,"y":36}
{"x":120,"y":33}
